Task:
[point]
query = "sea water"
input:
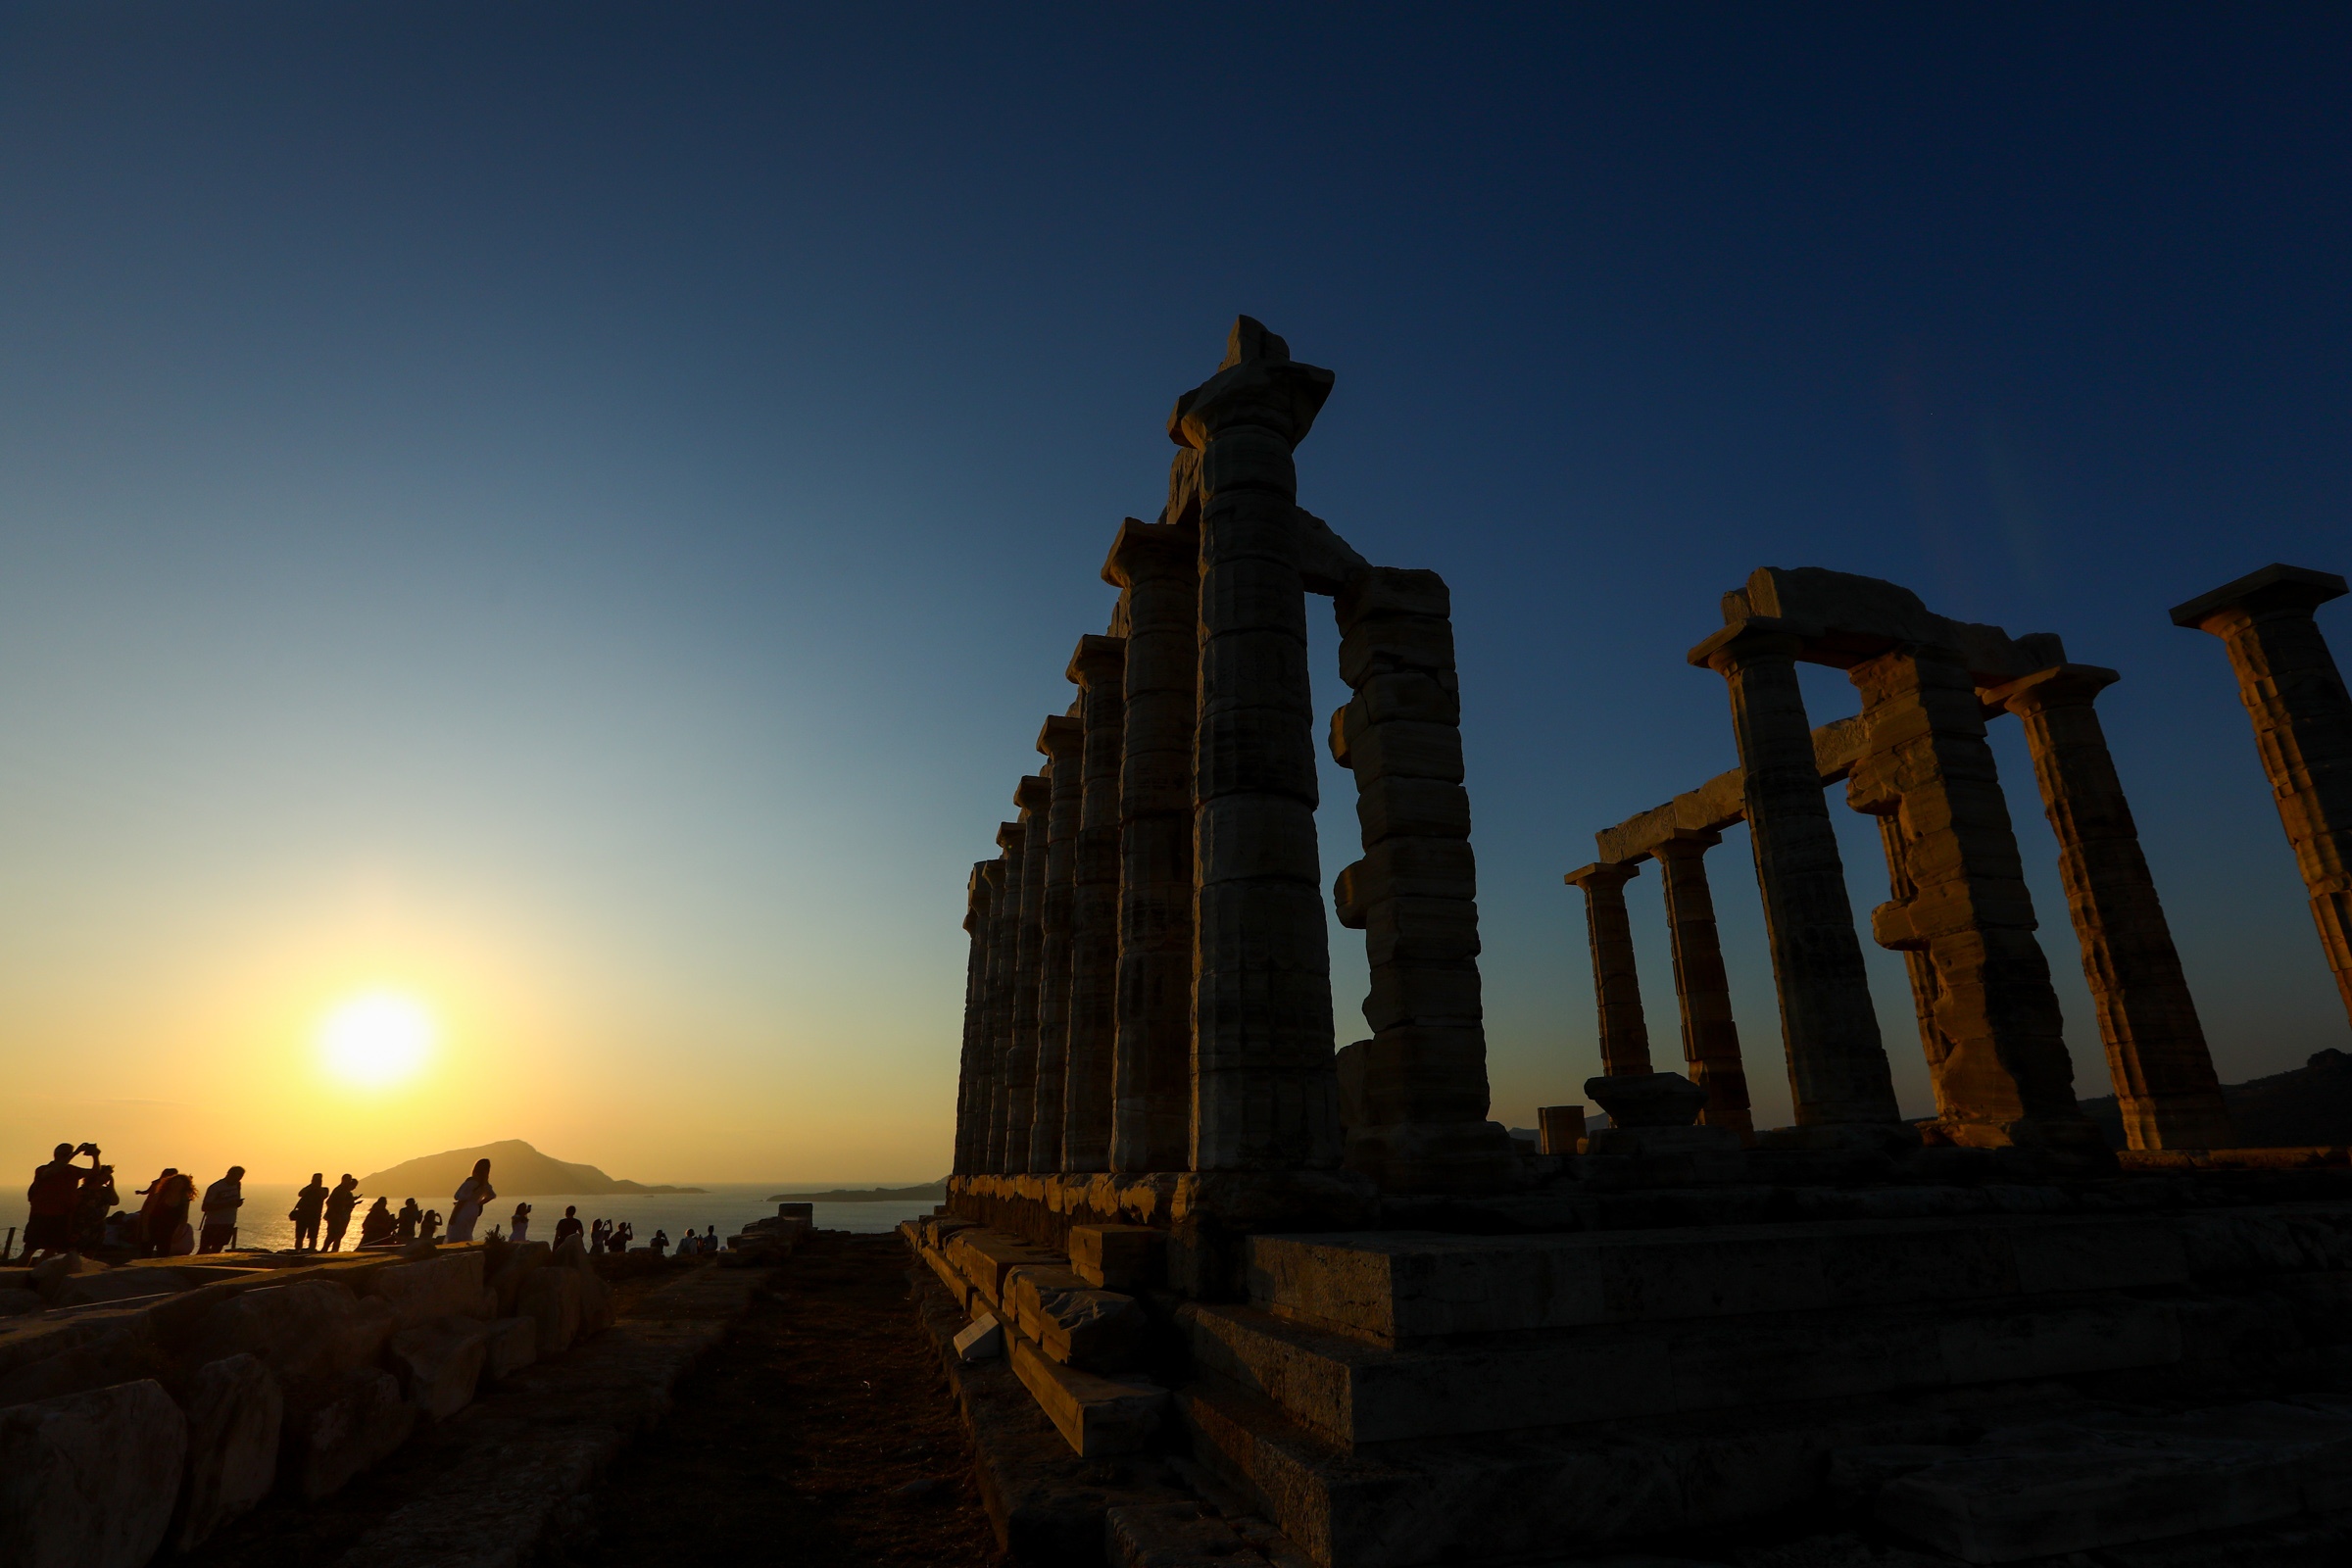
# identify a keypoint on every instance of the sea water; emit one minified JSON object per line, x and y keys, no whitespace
{"x":265,"y":1220}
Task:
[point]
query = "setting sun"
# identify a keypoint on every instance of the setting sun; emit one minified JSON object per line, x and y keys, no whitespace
{"x":377,"y":1039}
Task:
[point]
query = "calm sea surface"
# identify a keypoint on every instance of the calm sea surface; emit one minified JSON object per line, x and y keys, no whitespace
{"x":263,"y":1222}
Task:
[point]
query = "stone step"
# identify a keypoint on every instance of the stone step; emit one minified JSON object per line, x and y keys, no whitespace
{"x":1395,"y":1288}
{"x":1353,"y":1394}
{"x":1098,"y":1416}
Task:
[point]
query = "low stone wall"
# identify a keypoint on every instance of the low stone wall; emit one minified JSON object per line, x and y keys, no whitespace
{"x":149,"y":1404}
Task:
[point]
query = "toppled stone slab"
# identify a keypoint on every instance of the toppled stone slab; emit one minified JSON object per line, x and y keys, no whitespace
{"x":439,"y":1363}
{"x":349,"y":1423}
{"x":444,"y":1285}
{"x":90,"y":1480}
{"x":983,"y":1340}
{"x":512,"y":1344}
{"x":1075,"y":1323}
{"x":235,"y":1412}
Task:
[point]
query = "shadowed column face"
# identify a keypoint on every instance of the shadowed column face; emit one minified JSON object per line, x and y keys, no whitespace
{"x":2302,"y":725}
{"x":1003,"y":950}
{"x":1264,"y":1092}
{"x":1100,"y":668}
{"x":2002,"y":1074}
{"x":2156,"y":1051}
{"x":1035,"y":799}
{"x":975,"y":1013}
{"x":1837,"y":1074}
{"x":1701,"y":990}
{"x":1064,"y":741}
{"x":1151,"y":1067}
{"x":1616,"y":985}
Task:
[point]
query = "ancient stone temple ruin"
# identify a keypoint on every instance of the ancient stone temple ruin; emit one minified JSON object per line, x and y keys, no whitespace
{"x":1293,"y":1303}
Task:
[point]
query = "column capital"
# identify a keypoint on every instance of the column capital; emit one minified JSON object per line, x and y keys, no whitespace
{"x":1258,"y":384}
{"x":1145,"y":551}
{"x":1059,"y":738}
{"x":1098,"y":658}
{"x":1751,"y":637}
{"x":2059,"y":686}
{"x":2275,"y":587}
{"x":1034,"y":793}
{"x":1685,"y":844}
{"x":1010,"y":836}
{"x":1604,"y":874}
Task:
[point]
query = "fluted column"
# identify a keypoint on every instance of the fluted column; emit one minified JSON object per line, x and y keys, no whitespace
{"x":2302,"y":725}
{"x":1152,"y":1068}
{"x":1004,"y":954}
{"x":1265,"y":1095}
{"x":1100,"y":668}
{"x":975,"y":1013}
{"x":2156,"y":1051}
{"x":1702,"y":992}
{"x":1035,"y":799}
{"x":1837,"y":1073}
{"x":1616,"y":985}
{"x":1064,"y":740}
{"x":2002,"y":1074}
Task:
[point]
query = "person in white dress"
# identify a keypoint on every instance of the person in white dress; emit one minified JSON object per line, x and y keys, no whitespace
{"x":473,"y":1193}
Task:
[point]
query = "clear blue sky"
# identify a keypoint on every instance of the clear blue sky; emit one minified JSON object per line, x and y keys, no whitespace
{"x":576,"y":513}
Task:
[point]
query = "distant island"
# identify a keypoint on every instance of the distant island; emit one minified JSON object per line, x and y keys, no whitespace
{"x":870,"y":1195}
{"x":517,"y":1170}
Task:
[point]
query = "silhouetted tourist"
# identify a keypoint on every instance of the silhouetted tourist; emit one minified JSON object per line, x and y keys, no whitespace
{"x":709,"y":1241}
{"x":598,"y":1235}
{"x":339,"y":1204}
{"x":166,"y":1213}
{"x":221,"y":1201}
{"x":466,"y":1207}
{"x":148,"y":1232}
{"x":409,"y":1217}
{"x":623,"y":1235}
{"x":377,"y":1224}
{"x":93,"y":1203}
{"x":309,"y":1206}
{"x":569,"y":1226}
{"x":429,"y":1229}
{"x":521,"y":1231}
{"x":660,"y":1243}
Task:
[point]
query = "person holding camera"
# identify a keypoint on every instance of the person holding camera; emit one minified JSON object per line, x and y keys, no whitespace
{"x":54,"y":1200}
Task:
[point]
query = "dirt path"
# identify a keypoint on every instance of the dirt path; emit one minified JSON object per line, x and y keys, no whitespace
{"x":820,"y":1432}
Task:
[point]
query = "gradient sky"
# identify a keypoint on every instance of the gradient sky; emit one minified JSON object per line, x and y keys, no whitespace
{"x":576,"y":513}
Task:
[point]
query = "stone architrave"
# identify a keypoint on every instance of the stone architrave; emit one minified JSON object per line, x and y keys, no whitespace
{"x":1064,"y":740}
{"x":1019,"y":1086}
{"x":988,"y":1098}
{"x":1099,"y":668}
{"x":1999,"y":1062}
{"x":1151,"y":1067}
{"x":975,"y":1009}
{"x":1702,"y":992}
{"x":1416,"y":1093}
{"x":1616,"y":987}
{"x":1838,"y":1072}
{"x":1265,"y":1093}
{"x":2156,"y":1051}
{"x":2302,"y":725}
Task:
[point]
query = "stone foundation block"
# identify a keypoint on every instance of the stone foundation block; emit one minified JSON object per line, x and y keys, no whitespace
{"x":1078,"y":1324}
{"x":512,"y":1343}
{"x":351,"y":1424}
{"x":551,"y":1299}
{"x":90,"y":1480}
{"x":1119,"y":1257}
{"x":1098,"y":1416}
{"x":418,"y":1293}
{"x":235,"y":1413}
{"x":439,"y":1363}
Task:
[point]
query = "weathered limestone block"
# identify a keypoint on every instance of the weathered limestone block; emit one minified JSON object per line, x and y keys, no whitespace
{"x":1701,"y":990}
{"x":520,"y":1260}
{"x":512,"y":1344}
{"x":1098,"y":1416}
{"x":90,"y":1480}
{"x":1119,"y":1257}
{"x":2156,"y":1052}
{"x":309,"y":1330}
{"x":1063,"y":742}
{"x":1616,"y":983}
{"x":551,"y":1297}
{"x":1414,"y":808}
{"x":439,"y":1363}
{"x":420,"y":1293}
{"x":116,"y":1285}
{"x":1560,"y":1129}
{"x":1837,"y":1073}
{"x":235,"y":1413}
{"x":596,"y":1296}
{"x":982,"y":1340}
{"x":1099,"y":666}
{"x":1076,"y":1323}
{"x":1168,"y":1535}
{"x":1035,"y":798}
{"x":2302,"y":719}
{"x":353,"y":1423}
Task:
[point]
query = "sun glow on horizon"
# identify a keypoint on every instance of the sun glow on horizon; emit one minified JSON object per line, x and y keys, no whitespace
{"x":376,"y":1039}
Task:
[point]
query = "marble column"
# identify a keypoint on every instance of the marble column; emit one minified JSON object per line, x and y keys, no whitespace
{"x":2001,"y":1072}
{"x":1064,"y":741}
{"x":1265,"y":1094}
{"x":975,"y":1011}
{"x":1837,"y":1073}
{"x":1702,"y":992}
{"x":1151,"y":1065}
{"x":1917,"y":968}
{"x":1415,"y":1094}
{"x":1035,"y":799}
{"x":1616,"y":985}
{"x":2302,"y":726}
{"x":1099,"y":668}
{"x":1004,"y":948}
{"x":2156,"y":1051}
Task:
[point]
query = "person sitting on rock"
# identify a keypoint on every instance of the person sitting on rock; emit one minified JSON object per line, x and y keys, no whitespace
{"x":519,"y":1232}
{"x":569,"y":1225}
{"x":709,"y":1241}
{"x":377,"y":1224}
{"x":339,"y":1204}
{"x":466,"y":1207}
{"x":309,"y":1206}
{"x":410,"y":1217}
{"x":221,"y":1201}
{"x":429,"y":1229}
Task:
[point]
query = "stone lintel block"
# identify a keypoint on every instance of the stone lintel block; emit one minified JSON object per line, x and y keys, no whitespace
{"x":1416,"y":930}
{"x":1395,"y":643}
{"x":1254,"y":838}
{"x":1393,"y":591}
{"x":1423,"y":994}
{"x":1403,"y":750}
{"x":1416,"y":808}
{"x":1119,"y":1257}
{"x":2274,"y":587}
